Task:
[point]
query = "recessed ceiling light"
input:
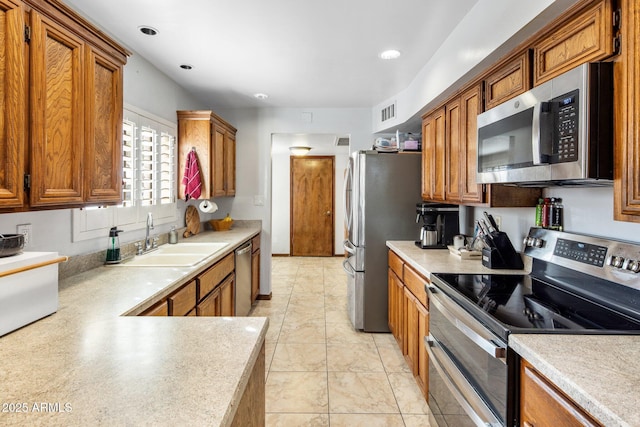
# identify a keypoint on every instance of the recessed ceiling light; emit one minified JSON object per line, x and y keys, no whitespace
{"x":149,"y":31}
{"x":261,"y":96}
{"x":186,"y":67}
{"x":390,"y":54}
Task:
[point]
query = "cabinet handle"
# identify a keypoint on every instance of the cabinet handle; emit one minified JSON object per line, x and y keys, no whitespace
{"x":528,"y":424}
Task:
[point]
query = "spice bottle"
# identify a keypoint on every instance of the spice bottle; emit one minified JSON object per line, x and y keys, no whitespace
{"x":538,"y":222}
{"x":557,"y":214}
{"x":546,"y":212}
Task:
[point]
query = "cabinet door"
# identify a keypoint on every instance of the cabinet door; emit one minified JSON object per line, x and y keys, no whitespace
{"x":227,"y":297}
{"x":13,"y":105}
{"x":194,"y":133}
{"x":217,"y":174}
{"x":586,"y":37}
{"x":626,"y":184}
{"x":433,"y":156}
{"x":411,"y":337}
{"x":470,"y":107}
{"x":210,"y":306}
{"x":422,"y":376}
{"x":395,"y":307}
{"x":454,"y":149}
{"x":255,"y":275}
{"x":57,"y":115}
{"x":103,"y":142}
{"x":542,"y":404}
{"x":508,"y":81}
{"x":230,"y":164}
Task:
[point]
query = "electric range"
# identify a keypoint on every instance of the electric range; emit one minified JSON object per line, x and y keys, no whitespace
{"x":577,"y":285}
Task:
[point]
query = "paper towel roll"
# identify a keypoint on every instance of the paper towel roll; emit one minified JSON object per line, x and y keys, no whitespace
{"x":207,"y":206}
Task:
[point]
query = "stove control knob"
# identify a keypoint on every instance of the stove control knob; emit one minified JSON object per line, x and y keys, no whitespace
{"x":634,"y":265}
{"x":616,"y":261}
{"x":533,"y":242}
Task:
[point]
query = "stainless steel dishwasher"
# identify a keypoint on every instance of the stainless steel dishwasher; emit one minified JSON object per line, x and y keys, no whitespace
{"x":243,"y":279}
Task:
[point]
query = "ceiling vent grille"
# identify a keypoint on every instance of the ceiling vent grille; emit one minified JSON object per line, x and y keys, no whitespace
{"x":388,"y":112}
{"x":342,"y":141}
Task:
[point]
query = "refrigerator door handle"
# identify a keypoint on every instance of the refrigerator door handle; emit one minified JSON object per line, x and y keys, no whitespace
{"x":348,"y":269}
{"x":348,"y":247}
{"x":348,"y":208}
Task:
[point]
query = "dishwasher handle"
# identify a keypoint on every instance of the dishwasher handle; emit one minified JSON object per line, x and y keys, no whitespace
{"x":244,"y":249}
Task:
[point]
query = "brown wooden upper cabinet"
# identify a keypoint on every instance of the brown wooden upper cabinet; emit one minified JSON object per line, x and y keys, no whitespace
{"x":449,"y":147}
{"x":215,"y":143}
{"x":433,"y":156}
{"x":72,"y":110}
{"x":508,"y":81}
{"x":587,"y":36}
{"x":626,"y":183}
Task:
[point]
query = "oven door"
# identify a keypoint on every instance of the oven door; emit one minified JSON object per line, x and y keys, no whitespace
{"x":467,"y":367}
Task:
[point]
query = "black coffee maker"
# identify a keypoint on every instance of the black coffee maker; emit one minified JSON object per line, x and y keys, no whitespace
{"x":440,"y":222}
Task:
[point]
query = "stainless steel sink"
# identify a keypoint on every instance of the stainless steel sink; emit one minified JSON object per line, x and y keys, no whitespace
{"x":179,"y":255}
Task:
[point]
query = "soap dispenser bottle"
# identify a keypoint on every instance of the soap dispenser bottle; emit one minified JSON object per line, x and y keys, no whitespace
{"x":113,"y":248}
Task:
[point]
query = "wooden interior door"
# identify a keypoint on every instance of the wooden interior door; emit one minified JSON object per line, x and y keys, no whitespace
{"x":312,"y":205}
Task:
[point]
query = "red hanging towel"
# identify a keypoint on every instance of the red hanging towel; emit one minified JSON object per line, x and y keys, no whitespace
{"x":191,"y":180}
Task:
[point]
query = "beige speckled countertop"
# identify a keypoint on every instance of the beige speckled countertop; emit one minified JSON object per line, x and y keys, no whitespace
{"x":599,"y":372}
{"x":427,"y":261}
{"x":90,"y":365}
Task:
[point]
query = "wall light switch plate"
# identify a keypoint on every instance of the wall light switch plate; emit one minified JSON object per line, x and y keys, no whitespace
{"x":26,"y":230}
{"x":498,"y":220}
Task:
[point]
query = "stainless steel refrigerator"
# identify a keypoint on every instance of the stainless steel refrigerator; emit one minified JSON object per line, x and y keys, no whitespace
{"x":380,"y":195}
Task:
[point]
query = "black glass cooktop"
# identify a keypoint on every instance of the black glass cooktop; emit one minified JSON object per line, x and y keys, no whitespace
{"x":523,"y":303}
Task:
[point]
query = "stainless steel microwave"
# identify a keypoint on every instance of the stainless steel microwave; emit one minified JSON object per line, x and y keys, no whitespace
{"x":560,"y":132}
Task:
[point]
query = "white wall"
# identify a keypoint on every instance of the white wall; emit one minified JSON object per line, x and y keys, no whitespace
{"x":322,"y":145}
{"x":586,"y":211}
{"x":144,"y":87}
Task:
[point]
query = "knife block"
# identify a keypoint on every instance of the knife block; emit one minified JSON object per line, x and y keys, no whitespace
{"x":502,"y":255}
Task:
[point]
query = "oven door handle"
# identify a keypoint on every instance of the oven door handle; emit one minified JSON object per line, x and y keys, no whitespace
{"x":460,"y":388}
{"x":466,"y":324}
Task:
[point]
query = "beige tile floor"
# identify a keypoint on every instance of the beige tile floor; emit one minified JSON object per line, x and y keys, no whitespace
{"x":320,"y":371}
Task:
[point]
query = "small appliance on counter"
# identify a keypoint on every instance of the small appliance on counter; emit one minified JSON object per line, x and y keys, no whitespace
{"x":440,"y":223}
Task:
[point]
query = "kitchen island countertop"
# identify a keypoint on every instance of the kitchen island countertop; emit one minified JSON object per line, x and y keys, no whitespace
{"x":92,"y":364}
{"x":597,"y":371}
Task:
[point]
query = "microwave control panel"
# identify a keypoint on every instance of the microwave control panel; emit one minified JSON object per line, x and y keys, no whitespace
{"x":565,"y":141}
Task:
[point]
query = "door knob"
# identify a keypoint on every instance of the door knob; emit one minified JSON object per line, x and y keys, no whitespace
{"x":328,"y":213}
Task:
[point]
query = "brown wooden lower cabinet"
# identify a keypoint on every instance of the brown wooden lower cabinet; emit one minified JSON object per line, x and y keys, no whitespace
{"x":543,"y":404}
{"x":183,"y":301}
{"x":161,"y":309}
{"x":210,"y":305}
{"x":227,"y":292}
{"x":409,"y":317}
{"x":255,"y":274}
{"x":252,"y":406}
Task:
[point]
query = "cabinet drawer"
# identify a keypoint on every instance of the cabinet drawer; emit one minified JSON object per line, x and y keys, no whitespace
{"x":543,"y":404}
{"x":396,"y":264}
{"x":184,"y":300}
{"x":161,"y":309}
{"x":415,"y":283}
{"x":255,"y":243}
{"x":208,"y":280}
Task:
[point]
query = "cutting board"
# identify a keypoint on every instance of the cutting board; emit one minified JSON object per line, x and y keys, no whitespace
{"x":192,"y":218}
{"x":464,"y":253}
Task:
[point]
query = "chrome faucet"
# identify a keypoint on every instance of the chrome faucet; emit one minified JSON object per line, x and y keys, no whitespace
{"x":148,"y":242}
